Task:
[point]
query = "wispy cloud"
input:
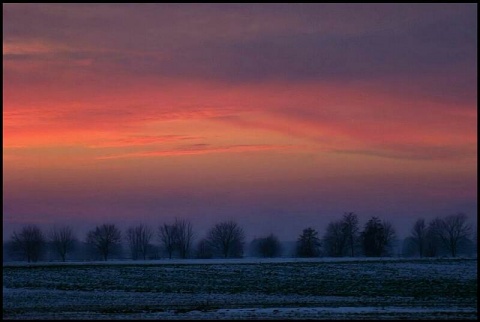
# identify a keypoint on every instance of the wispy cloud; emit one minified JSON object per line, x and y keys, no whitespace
{"x":426,"y":153}
{"x":137,"y":140}
{"x":293,"y":43}
{"x":196,"y":149}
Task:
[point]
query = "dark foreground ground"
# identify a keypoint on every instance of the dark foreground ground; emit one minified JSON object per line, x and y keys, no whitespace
{"x":318,"y":289}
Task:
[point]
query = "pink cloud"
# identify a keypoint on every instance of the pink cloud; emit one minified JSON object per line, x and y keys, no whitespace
{"x":137,"y":140}
{"x":195,"y":150}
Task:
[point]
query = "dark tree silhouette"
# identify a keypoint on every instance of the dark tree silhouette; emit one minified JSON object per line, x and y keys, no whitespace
{"x":268,"y":246}
{"x":104,"y":239}
{"x":227,"y":238}
{"x":138,"y":239}
{"x":432,"y":238}
{"x":335,"y":238}
{"x":183,"y":237}
{"x":30,"y":241}
{"x":62,"y":239}
{"x":308,"y":244}
{"x":419,"y":235}
{"x":454,"y":229}
{"x":204,"y":250}
{"x":390,"y":236}
{"x":168,"y":238}
{"x":350,"y":231}
{"x":376,"y":237}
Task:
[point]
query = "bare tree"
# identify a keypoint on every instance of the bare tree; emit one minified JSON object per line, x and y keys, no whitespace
{"x":183,"y":236}
{"x":167,"y":235}
{"x":390,"y":237}
{"x":350,"y":231}
{"x":30,"y":241}
{"x":268,"y":246}
{"x":204,"y":250}
{"x":227,"y":238}
{"x":138,"y":239}
{"x":453,"y":229}
{"x":308,"y":244}
{"x":432,"y":237}
{"x":419,"y":235}
{"x":377,"y":237}
{"x":104,"y":239}
{"x":335,"y":239}
{"x":62,"y":239}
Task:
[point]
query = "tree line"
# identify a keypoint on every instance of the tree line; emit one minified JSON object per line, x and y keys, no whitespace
{"x":342,"y":237}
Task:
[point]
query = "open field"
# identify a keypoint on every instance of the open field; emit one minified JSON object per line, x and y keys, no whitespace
{"x":244,"y":289}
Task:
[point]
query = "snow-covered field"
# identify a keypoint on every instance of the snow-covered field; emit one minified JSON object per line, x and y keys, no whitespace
{"x":243,"y":289}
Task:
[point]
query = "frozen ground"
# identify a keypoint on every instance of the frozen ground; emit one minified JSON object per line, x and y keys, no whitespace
{"x":243,"y":289}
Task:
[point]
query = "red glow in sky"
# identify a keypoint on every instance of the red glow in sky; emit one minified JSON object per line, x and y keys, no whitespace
{"x":280,"y":116}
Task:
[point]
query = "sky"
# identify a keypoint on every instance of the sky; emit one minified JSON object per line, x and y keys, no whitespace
{"x":276,"y":116}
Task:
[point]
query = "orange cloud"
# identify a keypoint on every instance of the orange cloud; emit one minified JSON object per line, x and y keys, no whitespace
{"x":349,"y":118}
{"x":197,"y":150}
{"x":140,"y":141}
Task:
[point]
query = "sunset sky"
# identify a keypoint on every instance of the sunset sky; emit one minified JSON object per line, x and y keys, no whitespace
{"x":278,"y":116}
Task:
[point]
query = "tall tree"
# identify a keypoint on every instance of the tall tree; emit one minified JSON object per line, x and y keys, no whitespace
{"x":30,"y":241}
{"x":335,"y":238}
{"x":227,"y":238}
{"x":183,"y":236}
{"x":350,"y":231}
{"x":419,"y":235}
{"x":432,"y":237}
{"x":62,"y":239}
{"x":138,"y":239}
{"x":104,"y":239}
{"x":204,"y":250}
{"x":308,"y":243}
{"x":268,"y":246}
{"x":389,"y":237}
{"x":376,"y":237}
{"x":167,"y":234}
{"x":453,"y":229}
